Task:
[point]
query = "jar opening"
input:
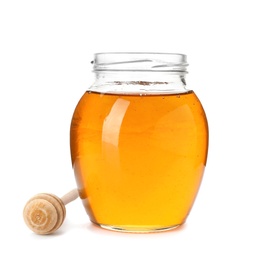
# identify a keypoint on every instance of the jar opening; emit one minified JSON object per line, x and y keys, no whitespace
{"x":140,"y":61}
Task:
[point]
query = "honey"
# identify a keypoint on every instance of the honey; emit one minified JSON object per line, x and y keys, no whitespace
{"x":138,"y":158}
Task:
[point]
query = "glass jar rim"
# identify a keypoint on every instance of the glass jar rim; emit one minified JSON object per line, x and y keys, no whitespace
{"x":140,"y":61}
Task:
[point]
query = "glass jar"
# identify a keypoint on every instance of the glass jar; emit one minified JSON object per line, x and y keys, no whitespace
{"x":139,"y":142}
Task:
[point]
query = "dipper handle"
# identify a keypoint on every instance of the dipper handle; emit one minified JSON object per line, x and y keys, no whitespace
{"x":70,"y":196}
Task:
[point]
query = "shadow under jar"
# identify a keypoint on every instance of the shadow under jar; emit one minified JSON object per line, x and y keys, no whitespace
{"x":139,"y":142}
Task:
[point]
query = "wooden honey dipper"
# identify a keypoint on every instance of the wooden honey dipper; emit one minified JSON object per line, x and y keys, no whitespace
{"x":44,"y":213}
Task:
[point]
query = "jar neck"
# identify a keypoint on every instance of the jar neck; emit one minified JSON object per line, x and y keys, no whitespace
{"x":142,"y":82}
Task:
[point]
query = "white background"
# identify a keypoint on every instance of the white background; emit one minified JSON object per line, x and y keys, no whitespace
{"x":45,"y":53}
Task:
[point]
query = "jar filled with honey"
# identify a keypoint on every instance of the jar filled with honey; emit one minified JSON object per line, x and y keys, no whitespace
{"x":139,"y":142}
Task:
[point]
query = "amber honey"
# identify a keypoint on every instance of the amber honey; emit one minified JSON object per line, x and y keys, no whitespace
{"x":139,"y":159}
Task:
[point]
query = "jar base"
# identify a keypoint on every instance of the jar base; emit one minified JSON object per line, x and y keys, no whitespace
{"x":138,"y":229}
